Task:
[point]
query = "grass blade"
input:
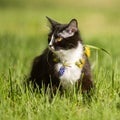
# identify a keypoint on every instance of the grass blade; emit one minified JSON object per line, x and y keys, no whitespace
{"x":98,"y":48}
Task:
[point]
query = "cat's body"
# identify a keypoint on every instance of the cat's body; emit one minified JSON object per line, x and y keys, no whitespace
{"x":60,"y":65}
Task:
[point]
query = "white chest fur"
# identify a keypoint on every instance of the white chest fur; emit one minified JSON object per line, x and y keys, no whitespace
{"x":72,"y":72}
{"x":70,"y":76}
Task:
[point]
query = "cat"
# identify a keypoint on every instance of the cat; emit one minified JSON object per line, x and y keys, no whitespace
{"x":63,"y":63}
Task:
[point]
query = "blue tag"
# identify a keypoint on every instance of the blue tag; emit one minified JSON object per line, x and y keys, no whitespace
{"x":61,"y":71}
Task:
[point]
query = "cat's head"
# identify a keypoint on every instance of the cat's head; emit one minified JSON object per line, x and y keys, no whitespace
{"x":63,"y":36}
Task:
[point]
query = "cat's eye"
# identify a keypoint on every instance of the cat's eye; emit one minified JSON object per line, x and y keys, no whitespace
{"x":59,"y":39}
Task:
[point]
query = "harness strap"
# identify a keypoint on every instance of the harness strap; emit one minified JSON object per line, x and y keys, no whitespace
{"x":80,"y":63}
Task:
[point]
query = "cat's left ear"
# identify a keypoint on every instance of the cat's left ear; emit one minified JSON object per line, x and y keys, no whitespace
{"x":73,"y":25}
{"x":53,"y":23}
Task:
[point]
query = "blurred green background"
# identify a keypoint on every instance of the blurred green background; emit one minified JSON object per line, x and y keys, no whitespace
{"x":28,"y":16}
{"x":23,"y":22}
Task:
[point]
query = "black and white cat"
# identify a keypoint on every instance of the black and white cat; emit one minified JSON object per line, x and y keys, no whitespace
{"x":61,"y":63}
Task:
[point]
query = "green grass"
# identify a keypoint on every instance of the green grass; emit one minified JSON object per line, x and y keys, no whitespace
{"x":23,"y":35}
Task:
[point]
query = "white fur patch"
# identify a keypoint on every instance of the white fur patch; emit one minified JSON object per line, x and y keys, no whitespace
{"x":51,"y":47}
{"x":72,"y":72}
{"x":66,"y":34}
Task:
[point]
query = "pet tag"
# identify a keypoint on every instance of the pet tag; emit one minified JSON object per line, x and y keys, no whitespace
{"x":61,"y":71}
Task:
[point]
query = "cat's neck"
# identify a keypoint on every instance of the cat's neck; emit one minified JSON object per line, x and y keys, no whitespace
{"x":72,"y":55}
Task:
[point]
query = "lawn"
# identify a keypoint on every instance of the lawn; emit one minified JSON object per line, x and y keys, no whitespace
{"x":23,"y":35}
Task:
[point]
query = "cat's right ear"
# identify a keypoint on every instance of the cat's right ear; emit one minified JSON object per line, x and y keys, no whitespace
{"x":52,"y":22}
{"x":73,"y":25}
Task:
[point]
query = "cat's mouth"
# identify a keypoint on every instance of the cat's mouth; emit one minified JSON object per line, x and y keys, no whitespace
{"x":51,"y":47}
{"x":54,"y":49}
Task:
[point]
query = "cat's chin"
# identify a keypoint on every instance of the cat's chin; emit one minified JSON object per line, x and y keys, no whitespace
{"x":56,"y":52}
{"x":59,"y":53}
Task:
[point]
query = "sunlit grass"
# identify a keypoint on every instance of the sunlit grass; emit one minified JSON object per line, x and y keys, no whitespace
{"x":16,"y":58}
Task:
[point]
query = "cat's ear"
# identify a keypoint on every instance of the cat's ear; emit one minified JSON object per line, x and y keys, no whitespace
{"x":73,"y":25}
{"x":53,"y":23}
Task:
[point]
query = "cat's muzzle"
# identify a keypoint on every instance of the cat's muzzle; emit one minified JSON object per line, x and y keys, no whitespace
{"x":51,"y":47}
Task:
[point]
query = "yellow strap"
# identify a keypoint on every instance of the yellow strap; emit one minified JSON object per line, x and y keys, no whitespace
{"x":87,"y":51}
{"x":80,"y":63}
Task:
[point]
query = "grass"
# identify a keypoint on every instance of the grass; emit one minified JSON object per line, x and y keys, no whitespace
{"x":23,"y":35}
